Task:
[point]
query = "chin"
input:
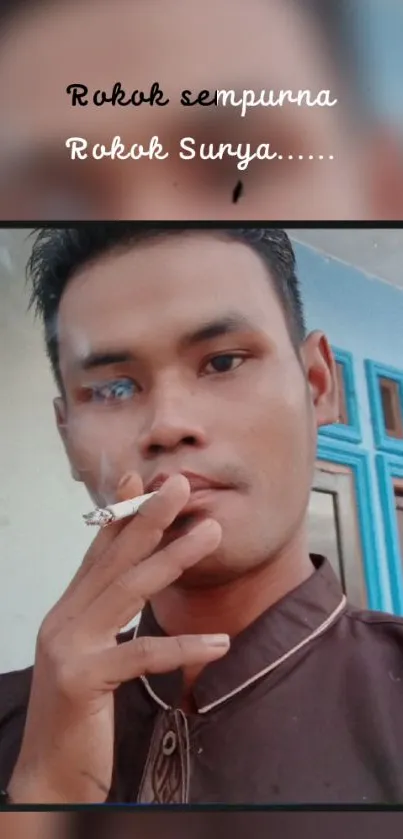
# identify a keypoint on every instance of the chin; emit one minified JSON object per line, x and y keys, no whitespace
{"x":210,"y":572}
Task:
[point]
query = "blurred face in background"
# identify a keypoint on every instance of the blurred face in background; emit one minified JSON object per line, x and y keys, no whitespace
{"x":238,"y":825}
{"x":37,"y":826}
{"x":202,"y":44}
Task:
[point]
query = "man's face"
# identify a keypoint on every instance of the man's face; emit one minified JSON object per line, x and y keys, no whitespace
{"x":232,"y":406}
{"x":214,"y":44}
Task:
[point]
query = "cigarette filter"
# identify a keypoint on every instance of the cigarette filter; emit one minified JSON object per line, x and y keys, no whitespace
{"x":102,"y":516}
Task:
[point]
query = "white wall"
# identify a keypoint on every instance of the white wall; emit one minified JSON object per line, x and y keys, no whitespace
{"x":42,"y":536}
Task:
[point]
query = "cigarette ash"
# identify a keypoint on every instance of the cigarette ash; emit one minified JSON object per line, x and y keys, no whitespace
{"x":98,"y":517}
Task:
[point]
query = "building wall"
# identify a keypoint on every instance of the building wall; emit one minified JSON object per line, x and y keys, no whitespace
{"x":42,"y":538}
{"x":363,"y":315}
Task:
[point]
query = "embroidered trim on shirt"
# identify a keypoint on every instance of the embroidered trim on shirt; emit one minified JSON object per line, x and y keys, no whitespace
{"x":279,"y":661}
{"x":320,"y":629}
{"x":166,"y":773}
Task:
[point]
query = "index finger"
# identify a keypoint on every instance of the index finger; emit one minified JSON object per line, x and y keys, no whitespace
{"x":133,"y":539}
{"x":130,"y":486}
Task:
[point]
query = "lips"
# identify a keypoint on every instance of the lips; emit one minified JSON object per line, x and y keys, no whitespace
{"x":197,"y":482}
{"x":197,"y":507}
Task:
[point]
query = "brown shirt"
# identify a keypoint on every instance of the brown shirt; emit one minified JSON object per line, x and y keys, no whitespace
{"x":306,"y":707}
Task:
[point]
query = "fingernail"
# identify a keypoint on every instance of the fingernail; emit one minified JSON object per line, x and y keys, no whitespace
{"x":216,"y":640}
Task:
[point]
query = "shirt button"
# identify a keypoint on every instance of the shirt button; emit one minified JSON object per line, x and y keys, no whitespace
{"x":169,"y":743}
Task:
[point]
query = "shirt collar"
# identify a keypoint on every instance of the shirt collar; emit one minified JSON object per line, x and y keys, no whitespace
{"x":291,"y":623}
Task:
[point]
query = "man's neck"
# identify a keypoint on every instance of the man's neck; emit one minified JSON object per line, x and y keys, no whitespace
{"x":231,"y":607}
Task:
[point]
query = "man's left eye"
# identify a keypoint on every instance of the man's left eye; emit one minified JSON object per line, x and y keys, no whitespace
{"x":226,"y":363}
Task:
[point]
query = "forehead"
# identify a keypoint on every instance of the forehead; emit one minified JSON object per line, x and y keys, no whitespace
{"x":261,"y":43}
{"x":161,"y":289}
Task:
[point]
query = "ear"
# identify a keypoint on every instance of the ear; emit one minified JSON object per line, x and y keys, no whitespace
{"x":320,"y":368}
{"x":60,"y":410}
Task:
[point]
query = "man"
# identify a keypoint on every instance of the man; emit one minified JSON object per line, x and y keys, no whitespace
{"x":46,"y":47}
{"x":182,"y":362}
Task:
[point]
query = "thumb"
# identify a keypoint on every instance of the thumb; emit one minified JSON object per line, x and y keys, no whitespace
{"x":129,"y":486}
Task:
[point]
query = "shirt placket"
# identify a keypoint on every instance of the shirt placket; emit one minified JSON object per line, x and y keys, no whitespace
{"x":166,"y":774}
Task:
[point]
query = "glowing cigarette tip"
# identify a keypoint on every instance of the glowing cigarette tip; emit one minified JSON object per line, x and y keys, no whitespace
{"x":102,"y":516}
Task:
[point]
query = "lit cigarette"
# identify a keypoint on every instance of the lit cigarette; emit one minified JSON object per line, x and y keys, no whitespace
{"x":102,"y":516}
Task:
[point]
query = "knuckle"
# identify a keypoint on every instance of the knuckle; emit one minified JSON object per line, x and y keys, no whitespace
{"x":123,"y":585}
{"x":49,"y":655}
{"x":169,"y":556}
{"x":177,"y":557}
{"x":71,"y":677}
{"x":57,"y":661}
{"x":66,"y":680}
{"x":45,"y":639}
{"x":138,"y":541}
{"x":159,"y":511}
{"x":143,"y":513}
{"x":148,"y":512}
{"x":145,"y":649}
{"x":180,"y":645}
{"x":150,"y":520}
{"x":147,"y":541}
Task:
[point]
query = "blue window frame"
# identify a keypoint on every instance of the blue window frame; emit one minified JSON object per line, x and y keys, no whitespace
{"x":350,"y":433}
{"x":358,"y":461}
{"x":390,"y":467}
{"x":375,"y":372}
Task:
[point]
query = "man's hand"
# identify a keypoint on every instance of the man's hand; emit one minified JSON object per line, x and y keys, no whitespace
{"x":67,"y":749}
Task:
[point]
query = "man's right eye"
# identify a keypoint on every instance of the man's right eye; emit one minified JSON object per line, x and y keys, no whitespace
{"x":118,"y":390}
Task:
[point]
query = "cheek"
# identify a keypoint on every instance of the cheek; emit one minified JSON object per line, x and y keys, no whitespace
{"x":100,"y":452}
{"x":280,"y":435}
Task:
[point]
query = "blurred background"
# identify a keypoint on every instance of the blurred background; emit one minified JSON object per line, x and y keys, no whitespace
{"x":106,"y":824}
{"x":352,"y":288}
{"x":349,"y":47}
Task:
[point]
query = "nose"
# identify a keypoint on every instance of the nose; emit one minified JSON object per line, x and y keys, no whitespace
{"x":173,"y":424}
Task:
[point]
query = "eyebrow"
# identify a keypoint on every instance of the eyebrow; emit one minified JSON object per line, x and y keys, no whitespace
{"x":26,"y":154}
{"x":226,"y":325}
{"x":39,"y":155}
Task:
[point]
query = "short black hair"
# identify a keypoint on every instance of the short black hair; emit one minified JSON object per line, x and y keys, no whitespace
{"x":58,"y":254}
